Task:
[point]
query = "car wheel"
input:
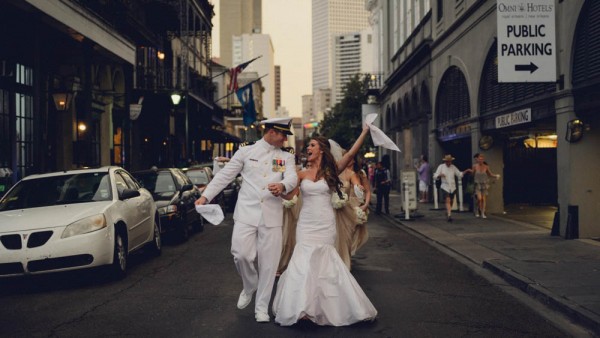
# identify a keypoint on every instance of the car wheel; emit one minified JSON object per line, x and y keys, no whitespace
{"x":156,"y":245}
{"x":183,"y":231}
{"x":119,"y":265}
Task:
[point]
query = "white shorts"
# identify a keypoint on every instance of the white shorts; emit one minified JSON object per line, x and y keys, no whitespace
{"x":423,"y":186}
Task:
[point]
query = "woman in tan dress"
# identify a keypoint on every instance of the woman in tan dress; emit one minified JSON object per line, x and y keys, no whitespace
{"x":351,"y":231}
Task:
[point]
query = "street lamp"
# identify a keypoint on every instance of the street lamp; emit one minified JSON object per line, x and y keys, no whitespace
{"x":62,"y":100}
{"x":175,"y":98}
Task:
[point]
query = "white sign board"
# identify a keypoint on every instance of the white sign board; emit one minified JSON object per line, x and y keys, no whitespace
{"x":409,"y":184}
{"x":526,"y":40}
{"x":511,"y":119}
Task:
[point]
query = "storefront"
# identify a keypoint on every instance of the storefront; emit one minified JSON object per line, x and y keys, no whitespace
{"x":519,"y":119}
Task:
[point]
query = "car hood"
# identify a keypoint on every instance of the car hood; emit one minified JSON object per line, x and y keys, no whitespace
{"x":48,"y":217}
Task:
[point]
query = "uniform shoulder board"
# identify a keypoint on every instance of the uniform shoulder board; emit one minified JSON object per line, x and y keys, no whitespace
{"x":289,"y":150}
{"x":243,"y":144}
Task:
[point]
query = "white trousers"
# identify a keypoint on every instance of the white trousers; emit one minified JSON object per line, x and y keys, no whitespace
{"x":248,"y":243}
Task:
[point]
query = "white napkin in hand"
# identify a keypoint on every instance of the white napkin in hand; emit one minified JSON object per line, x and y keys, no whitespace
{"x":211,"y":212}
{"x":359,"y":193}
{"x":378,"y":136}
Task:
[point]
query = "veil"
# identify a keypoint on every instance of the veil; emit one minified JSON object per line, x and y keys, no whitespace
{"x":336,"y":150}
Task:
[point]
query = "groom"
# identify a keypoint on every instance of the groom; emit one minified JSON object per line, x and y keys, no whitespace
{"x":267,"y":172}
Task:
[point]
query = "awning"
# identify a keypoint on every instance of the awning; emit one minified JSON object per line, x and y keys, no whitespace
{"x":219,"y":136}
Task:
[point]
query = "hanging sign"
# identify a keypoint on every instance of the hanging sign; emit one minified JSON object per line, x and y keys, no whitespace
{"x":511,"y":119}
{"x":526,"y":40}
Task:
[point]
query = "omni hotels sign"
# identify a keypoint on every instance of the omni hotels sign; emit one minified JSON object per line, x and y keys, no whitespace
{"x":514,"y":118}
{"x":526,"y":40}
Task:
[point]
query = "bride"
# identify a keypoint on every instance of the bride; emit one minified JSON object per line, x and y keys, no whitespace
{"x":317,"y":285}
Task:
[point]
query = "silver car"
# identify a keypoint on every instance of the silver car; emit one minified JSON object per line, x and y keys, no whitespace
{"x":76,"y":219}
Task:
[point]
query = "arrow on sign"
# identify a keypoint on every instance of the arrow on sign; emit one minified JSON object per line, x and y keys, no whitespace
{"x":531,"y":67}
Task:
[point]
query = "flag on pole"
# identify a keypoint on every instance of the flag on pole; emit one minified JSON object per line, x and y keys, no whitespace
{"x":233,"y":74}
{"x":246,"y":98}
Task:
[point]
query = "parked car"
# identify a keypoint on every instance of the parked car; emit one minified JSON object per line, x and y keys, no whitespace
{"x":76,"y":219}
{"x":174,"y":195}
{"x":227,"y":198}
{"x":201,"y":176}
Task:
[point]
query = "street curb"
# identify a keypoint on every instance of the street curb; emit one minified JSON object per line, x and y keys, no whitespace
{"x":573,"y":311}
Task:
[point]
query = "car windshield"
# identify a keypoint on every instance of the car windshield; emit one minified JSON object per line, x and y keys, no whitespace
{"x":157,"y":183}
{"x":198,"y":177}
{"x":63,"y":189}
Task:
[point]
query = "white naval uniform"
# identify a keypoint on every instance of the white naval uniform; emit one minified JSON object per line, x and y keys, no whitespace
{"x":258,"y":214}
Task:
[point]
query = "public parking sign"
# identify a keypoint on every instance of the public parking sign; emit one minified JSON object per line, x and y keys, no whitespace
{"x":526,"y":41}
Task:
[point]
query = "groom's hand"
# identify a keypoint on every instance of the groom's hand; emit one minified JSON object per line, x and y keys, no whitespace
{"x":276,"y":188}
{"x":201,"y":201}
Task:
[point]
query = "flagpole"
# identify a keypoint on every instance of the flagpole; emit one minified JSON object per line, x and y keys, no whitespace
{"x":249,"y":83}
{"x":258,"y":57}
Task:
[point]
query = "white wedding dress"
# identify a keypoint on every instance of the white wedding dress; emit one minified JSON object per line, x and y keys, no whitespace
{"x":317,"y":284}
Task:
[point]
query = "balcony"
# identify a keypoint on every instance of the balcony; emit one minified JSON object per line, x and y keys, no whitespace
{"x":372,"y":83}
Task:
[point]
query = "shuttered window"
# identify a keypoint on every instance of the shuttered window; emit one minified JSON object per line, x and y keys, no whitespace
{"x":495,"y":95}
{"x":452,"y":104}
{"x":586,"y":62}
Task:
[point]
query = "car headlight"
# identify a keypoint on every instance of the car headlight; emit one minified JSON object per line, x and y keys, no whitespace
{"x":169,"y":209}
{"x":85,"y":225}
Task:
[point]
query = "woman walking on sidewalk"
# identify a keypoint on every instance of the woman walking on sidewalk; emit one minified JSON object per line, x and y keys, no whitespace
{"x":481,"y":172}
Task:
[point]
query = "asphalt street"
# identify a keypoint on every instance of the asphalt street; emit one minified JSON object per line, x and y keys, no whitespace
{"x":192,"y":289}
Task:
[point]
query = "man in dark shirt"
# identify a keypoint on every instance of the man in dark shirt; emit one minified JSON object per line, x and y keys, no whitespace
{"x":383,"y":185}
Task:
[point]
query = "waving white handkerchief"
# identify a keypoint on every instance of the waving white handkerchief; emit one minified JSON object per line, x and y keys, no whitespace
{"x":211,"y":212}
{"x":378,"y":136}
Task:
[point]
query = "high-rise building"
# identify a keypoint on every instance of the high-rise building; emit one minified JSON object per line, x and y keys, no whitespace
{"x":249,"y":46}
{"x":277,"y":86}
{"x":352,"y":55}
{"x":330,"y":18}
{"x":321,"y":103}
{"x":237,"y":17}
{"x":307,"y":109}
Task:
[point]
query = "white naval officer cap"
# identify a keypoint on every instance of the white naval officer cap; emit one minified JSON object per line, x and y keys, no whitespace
{"x":281,"y":124}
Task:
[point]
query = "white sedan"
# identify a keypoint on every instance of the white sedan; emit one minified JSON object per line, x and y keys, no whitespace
{"x":76,"y":219}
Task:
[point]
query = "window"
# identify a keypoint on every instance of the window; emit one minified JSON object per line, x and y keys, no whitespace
{"x":24,"y":122}
{"x":440,"y":9}
{"x":4,"y":130}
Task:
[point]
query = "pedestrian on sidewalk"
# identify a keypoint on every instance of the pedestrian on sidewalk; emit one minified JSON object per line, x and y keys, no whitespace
{"x":481,"y":172}
{"x":383,"y":184}
{"x":448,"y":172}
{"x":424,"y":173}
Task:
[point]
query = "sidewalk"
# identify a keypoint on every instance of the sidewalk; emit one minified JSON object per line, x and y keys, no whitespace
{"x":562,"y":274}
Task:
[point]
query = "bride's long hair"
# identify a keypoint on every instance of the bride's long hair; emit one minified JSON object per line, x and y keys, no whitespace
{"x":328,"y":166}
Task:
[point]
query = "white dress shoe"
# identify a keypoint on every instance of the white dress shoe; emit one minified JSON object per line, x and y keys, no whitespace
{"x":244,"y":300}
{"x":262,"y":317}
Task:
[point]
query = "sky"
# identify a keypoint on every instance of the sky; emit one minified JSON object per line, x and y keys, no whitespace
{"x":288,"y":22}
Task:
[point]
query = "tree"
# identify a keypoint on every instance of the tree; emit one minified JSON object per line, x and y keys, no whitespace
{"x":344,"y":122}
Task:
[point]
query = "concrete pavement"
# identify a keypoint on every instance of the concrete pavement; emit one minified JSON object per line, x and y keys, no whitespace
{"x":562,"y":274}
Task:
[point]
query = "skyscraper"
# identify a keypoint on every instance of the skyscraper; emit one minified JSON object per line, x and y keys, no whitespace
{"x":237,"y":17}
{"x":352,"y":55}
{"x":250,"y":46}
{"x":277,"y":86}
{"x":330,"y":18}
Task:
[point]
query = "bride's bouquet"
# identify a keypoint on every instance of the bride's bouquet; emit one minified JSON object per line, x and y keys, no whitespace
{"x":338,"y":202}
{"x":361,"y":216}
{"x":290,"y":203}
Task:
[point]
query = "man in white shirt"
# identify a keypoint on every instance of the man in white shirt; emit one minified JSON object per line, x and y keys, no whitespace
{"x":267,"y":172}
{"x":448,"y":173}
